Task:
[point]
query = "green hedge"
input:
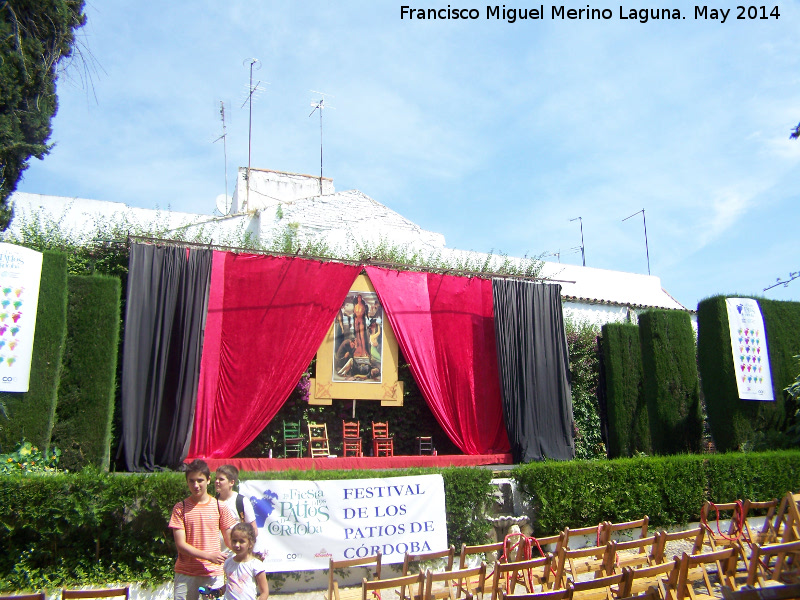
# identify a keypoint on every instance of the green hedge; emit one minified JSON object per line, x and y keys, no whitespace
{"x":669,"y":489}
{"x":671,"y":386}
{"x":97,"y":527}
{"x":628,"y":424}
{"x":31,"y":413}
{"x":736,"y":424}
{"x":85,"y":408}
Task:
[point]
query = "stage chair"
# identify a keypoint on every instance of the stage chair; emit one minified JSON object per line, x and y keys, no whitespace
{"x":292,"y":439}
{"x":595,"y":589}
{"x":351,"y":438}
{"x":424,"y":445}
{"x":529,"y":573}
{"x":461,"y":584}
{"x":318,"y":440}
{"x":761,"y":572}
{"x":382,"y":442}
{"x":368,"y":562}
{"x":371,"y":590}
{"x":108,"y":593}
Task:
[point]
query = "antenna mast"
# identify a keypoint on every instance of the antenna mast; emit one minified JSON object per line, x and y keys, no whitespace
{"x":252,"y":89}
{"x":319,"y":106}
{"x":223,"y":137}
{"x":646,"y":249}
{"x":583,"y":253}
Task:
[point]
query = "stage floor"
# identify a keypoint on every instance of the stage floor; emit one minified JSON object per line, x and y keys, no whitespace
{"x":360,"y":463}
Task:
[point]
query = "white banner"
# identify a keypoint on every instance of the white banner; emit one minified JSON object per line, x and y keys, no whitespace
{"x":749,"y":346}
{"x":302,"y":524}
{"x":20,"y":272}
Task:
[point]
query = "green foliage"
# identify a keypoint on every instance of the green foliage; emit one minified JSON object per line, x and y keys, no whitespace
{"x":88,"y":381}
{"x":735,"y":424}
{"x":34,"y":38}
{"x":30,"y":414}
{"x":584,"y":369}
{"x":671,"y":387}
{"x":670,"y":490}
{"x":27,"y":458}
{"x":99,"y":528}
{"x":628,"y":423}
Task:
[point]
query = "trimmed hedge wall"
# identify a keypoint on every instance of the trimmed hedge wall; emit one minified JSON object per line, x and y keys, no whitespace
{"x":94,"y":527}
{"x":735,"y":423}
{"x":31,"y":413}
{"x":669,"y":489}
{"x":671,"y":386}
{"x":628,"y":423}
{"x":82,"y":429}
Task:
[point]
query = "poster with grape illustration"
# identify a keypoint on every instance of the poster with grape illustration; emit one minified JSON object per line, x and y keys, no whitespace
{"x":749,"y":345}
{"x":20,"y":271}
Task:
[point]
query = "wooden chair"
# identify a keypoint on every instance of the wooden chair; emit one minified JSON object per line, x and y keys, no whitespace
{"x":36,"y":596}
{"x":318,"y":440}
{"x":106,"y":593}
{"x":651,"y":593}
{"x":368,"y":562}
{"x":681,"y":583}
{"x":778,"y":592}
{"x":630,"y":553}
{"x":461,"y":584}
{"x":636,"y":581}
{"x":445,"y":560}
{"x":767,"y":533}
{"x":595,"y":589}
{"x":539,"y":547}
{"x":573,"y":563}
{"x":529,"y":573}
{"x":697,"y":535}
{"x":424,"y":445}
{"x":371,"y":590}
{"x":595,"y":533}
{"x":484,"y":552}
{"x":382,"y":442}
{"x":719,"y":511}
{"x":292,"y":439}
{"x":633,"y":529}
{"x":785,"y":525}
{"x":351,"y":438}
{"x":562,"y":594}
{"x":763,"y":571}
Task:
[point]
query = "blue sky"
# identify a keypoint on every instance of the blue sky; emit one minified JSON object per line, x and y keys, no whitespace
{"x":492,"y":133}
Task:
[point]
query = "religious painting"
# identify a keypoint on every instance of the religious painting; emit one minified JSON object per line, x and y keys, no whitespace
{"x":358,"y":339}
{"x":359,"y":357}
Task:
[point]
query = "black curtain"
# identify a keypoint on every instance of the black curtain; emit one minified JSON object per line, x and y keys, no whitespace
{"x":164,"y":320}
{"x":533,"y":361}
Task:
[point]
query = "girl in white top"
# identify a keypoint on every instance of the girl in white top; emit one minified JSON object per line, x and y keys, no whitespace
{"x":225,"y":480}
{"x":245,"y":574}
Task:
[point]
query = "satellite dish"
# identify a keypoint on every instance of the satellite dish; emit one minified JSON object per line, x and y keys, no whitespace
{"x":224,"y":203}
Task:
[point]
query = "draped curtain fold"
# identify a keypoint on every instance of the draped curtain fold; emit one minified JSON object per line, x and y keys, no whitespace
{"x":166,"y":301}
{"x":534,"y":369}
{"x":444,"y":326}
{"x":267,"y":316}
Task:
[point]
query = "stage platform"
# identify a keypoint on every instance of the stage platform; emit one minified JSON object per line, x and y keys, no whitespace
{"x":360,"y":463}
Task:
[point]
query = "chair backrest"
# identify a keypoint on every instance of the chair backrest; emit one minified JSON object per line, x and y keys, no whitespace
{"x":651,"y":593}
{"x":767,"y":534}
{"x":634,"y":529}
{"x":630,"y":553}
{"x":462,"y":583}
{"x":36,"y":596}
{"x":371,"y":589}
{"x":637,"y":580}
{"x":593,"y":587}
{"x":482,"y":551}
{"x":366,"y":562}
{"x":572,"y":563}
{"x":562,"y":594}
{"x":380,"y":430}
{"x":696,"y":534}
{"x":446,"y":555}
{"x":725,"y":561}
{"x":594,"y":532}
{"x":535,"y":571}
{"x":291,"y":430}
{"x":351,"y":429}
{"x":109,"y":593}
{"x":712,"y":513}
{"x":759,"y":571}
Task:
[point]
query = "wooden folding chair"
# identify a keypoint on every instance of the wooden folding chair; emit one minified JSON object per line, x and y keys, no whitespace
{"x":351,"y":438}
{"x":595,"y":589}
{"x":461,"y":584}
{"x":573,"y":563}
{"x":36,"y":596}
{"x":550,"y":544}
{"x":734,"y":511}
{"x":631,"y":529}
{"x":483,"y":552}
{"x":636,"y":581}
{"x":368,"y":562}
{"x":630,"y":553}
{"x":100,"y":593}
{"x":787,"y":519}
{"x":318,"y":440}
{"x":651,"y":593}
{"x":767,"y":533}
{"x":763,"y":571}
{"x":697,"y":535}
{"x":562,"y":594}
{"x":444,"y":559}
{"x":594,"y":532}
{"x":371,"y":590}
{"x":529,"y":573}
{"x":778,"y":592}
{"x":682,"y":580}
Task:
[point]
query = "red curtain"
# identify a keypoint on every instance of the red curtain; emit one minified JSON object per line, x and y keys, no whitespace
{"x":267,"y":316}
{"x":445,"y":327}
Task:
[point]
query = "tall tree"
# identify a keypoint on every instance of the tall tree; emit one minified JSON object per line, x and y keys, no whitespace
{"x":35,"y":36}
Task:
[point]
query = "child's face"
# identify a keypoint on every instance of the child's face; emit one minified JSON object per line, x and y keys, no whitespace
{"x":240,"y":544}
{"x":198,"y":484}
{"x":223,"y":485}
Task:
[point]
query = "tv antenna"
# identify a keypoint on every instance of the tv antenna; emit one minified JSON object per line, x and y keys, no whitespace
{"x":583,"y":253}
{"x":254,"y":63}
{"x":319,"y":106}
{"x":225,"y":207}
{"x":646,"y":249}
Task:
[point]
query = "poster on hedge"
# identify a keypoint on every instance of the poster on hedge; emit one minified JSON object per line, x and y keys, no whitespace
{"x":20,"y":272}
{"x":303,"y":524}
{"x":749,"y":346}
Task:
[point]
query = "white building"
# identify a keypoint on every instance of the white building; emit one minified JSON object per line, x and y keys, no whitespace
{"x":310,"y":207}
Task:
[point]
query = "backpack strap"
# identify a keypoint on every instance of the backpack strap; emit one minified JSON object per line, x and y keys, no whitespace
{"x":240,"y":506}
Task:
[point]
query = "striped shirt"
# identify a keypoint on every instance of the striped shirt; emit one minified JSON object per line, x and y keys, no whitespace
{"x":202,"y":524}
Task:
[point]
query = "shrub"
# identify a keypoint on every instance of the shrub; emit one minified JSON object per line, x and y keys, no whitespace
{"x":27,"y":458}
{"x":584,"y":369}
